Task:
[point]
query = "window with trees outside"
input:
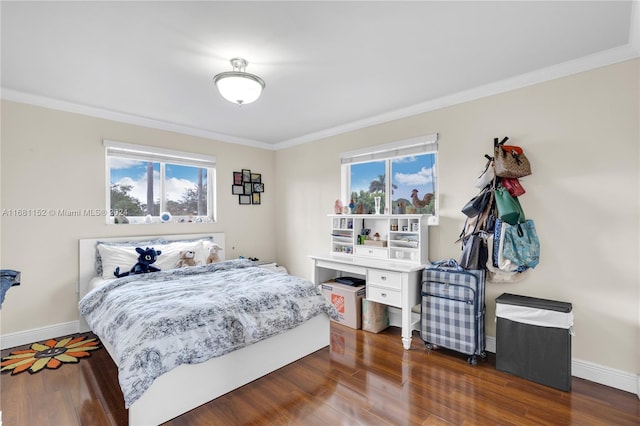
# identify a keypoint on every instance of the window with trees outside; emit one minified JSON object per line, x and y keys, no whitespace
{"x":403,"y":174}
{"x":148,"y":185}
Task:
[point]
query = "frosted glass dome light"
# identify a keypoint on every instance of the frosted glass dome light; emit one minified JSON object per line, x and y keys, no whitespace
{"x":238,"y":86}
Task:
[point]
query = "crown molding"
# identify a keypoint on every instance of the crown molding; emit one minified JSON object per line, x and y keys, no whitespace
{"x":56,"y":104}
{"x":586,"y":63}
{"x":629,"y":51}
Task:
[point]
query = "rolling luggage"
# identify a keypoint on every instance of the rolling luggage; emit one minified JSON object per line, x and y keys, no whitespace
{"x":452,"y":309}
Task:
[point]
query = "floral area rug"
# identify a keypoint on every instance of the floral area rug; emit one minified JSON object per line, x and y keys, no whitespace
{"x":51,"y":354}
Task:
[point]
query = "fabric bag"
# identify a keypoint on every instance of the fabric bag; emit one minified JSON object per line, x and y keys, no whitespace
{"x":498,"y":259}
{"x":497,"y":275}
{"x":521,"y":244}
{"x":477,"y":204}
{"x":481,"y":222}
{"x":510,"y":160}
{"x":513,"y":185}
{"x":474,"y":252}
{"x":509,"y":208}
{"x":487,"y":176}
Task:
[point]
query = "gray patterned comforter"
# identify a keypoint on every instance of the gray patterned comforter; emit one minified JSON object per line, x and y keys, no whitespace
{"x":158,"y":321}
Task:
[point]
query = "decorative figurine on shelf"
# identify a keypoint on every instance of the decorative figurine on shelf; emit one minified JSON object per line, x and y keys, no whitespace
{"x":351,"y":204}
{"x":418,"y":202}
{"x":360,"y":209}
{"x":337,"y":207}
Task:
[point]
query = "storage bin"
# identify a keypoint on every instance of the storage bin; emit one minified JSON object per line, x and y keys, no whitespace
{"x":375,"y":316}
{"x":533,"y":339}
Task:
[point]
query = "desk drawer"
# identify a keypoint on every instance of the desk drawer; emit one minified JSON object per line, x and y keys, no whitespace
{"x":382,"y":278}
{"x":384,"y":295}
{"x":378,"y":253}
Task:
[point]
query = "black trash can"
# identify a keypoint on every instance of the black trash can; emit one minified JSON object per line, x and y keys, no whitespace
{"x":533,"y":339}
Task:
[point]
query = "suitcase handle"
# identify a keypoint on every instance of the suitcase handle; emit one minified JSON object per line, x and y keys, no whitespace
{"x":447,"y":263}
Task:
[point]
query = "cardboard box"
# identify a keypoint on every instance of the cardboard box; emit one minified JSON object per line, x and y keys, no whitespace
{"x":347,"y":300}
{"x":375,"y":316}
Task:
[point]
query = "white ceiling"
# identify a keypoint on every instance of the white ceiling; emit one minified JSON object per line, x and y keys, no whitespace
{"x":329,"y":66}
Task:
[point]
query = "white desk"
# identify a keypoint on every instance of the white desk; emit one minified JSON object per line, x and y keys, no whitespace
{"x":395,"y":284}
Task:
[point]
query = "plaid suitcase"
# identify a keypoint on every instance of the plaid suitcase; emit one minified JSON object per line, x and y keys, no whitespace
{"x":452,"y":309}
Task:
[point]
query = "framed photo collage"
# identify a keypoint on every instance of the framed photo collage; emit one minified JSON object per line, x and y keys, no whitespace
{"x":247,"y":186}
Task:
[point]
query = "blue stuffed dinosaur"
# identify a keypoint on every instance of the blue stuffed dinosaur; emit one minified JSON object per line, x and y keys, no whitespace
{"x":144,"y":265}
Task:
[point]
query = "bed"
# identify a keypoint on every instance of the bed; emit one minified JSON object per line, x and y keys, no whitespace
{"x":190,"y":381}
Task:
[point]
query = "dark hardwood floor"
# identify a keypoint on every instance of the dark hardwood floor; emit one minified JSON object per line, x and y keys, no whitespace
{"x":364,"y":379}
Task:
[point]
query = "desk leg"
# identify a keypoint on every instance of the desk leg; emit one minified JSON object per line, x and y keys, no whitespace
{"x":406,"y":342}
{"x":406,"y":327}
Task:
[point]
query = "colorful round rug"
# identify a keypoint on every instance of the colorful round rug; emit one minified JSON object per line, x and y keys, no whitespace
{"x":51,"y":354}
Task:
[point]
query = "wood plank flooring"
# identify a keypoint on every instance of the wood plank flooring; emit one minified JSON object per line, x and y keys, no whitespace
{"x":363,"y":379}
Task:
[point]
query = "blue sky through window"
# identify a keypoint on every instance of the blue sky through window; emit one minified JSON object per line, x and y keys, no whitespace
{"x":413,"y":172}
{"x":408,"y":173}
{"x":178,"y":179}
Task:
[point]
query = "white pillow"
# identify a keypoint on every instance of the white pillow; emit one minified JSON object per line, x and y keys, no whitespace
{"x":170,"y":255}
{"x":125,"y":256}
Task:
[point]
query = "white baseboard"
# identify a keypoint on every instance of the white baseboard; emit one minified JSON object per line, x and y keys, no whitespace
{"x":12,"y":340}
{"x":607,"y":376}
{"x":623,"y":380}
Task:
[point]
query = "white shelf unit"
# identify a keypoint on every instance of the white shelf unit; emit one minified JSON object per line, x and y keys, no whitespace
{"x":405,"y":237}
{"x":342,"y":238}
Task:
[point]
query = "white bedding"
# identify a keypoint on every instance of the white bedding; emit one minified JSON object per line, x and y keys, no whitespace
{"x":158,"y":321}
{"x":98,"y":282}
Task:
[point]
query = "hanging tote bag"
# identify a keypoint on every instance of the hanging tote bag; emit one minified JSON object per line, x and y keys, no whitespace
{"x":474,"y":252}
{"x":477,"y":204}
{"x":521,"y":244}
{"x":487,"y":176}
{"x":495,"y":274}
{"x":509,"y":160}
{"x":509,"y":208}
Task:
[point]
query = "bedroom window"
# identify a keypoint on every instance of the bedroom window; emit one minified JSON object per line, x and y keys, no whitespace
{"x":150,"y":185}
{"x":403,"y":174}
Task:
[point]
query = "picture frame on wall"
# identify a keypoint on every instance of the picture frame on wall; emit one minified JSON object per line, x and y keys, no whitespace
{"x":248,"y":187}
{"x":237,"y":178}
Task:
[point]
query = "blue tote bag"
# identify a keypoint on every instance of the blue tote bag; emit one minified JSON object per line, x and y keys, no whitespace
{"x":521,"y":244}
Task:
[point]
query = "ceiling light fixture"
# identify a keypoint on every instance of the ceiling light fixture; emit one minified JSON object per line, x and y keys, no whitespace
{"x":238,"y":86}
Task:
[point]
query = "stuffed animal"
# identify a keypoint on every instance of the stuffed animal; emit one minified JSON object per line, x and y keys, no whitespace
{"x":213,"y":254}
{"x":146,"y":258}
{"x":186,"y":259}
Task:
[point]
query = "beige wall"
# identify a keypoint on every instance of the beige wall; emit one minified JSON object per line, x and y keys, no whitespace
{"x":53,"y":159}
{"x":580,"y":133}
{"x":581,"y":136}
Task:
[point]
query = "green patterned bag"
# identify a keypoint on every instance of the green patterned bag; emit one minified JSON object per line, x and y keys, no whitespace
{"x":521,"y":244}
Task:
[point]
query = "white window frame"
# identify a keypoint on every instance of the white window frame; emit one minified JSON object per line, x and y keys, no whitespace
{"x":415,"y":146}
{"x":162,"y":156}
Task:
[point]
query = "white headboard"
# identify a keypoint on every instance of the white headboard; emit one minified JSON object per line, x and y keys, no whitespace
{"x":87,"y":257}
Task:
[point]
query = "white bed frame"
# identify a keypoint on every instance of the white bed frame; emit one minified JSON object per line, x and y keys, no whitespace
{"x":189,"y":386}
